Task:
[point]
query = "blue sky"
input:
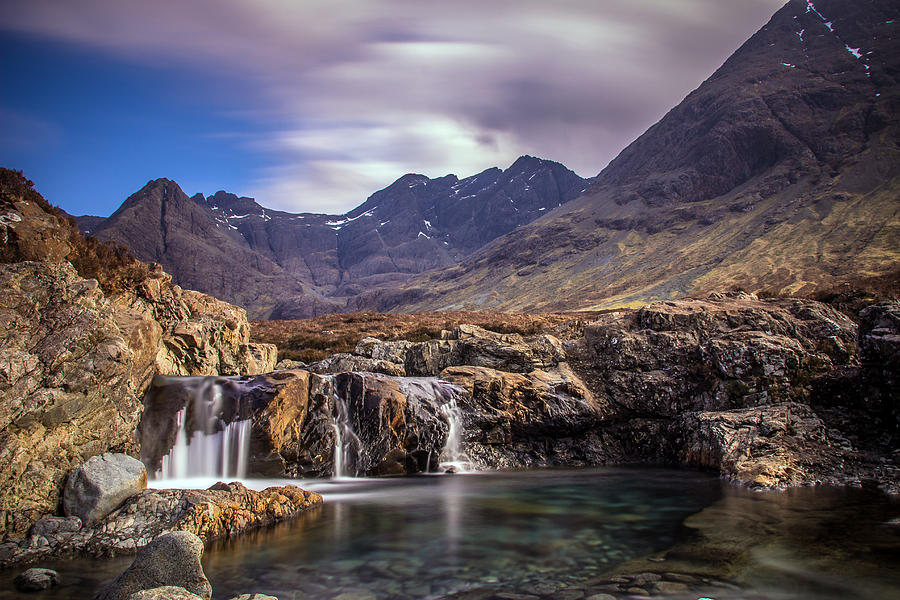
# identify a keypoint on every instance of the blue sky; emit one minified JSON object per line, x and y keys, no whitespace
{"x":90,"y":129}
{"x":314,"y":105}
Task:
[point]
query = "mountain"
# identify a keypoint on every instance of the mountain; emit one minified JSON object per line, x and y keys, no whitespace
{"x":781,"y":172}
{"x":285,"y":265}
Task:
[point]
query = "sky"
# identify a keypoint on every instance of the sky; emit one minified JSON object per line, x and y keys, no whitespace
{"x":312,"y":105}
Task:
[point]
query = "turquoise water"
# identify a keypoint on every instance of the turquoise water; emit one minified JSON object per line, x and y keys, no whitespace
{"x":557,"y":534}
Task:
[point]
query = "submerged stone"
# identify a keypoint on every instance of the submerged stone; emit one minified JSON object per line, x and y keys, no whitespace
{"x":36,"y":580}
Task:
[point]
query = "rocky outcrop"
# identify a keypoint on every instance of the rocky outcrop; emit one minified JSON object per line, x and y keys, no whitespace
{"x":715,"y":354}
{"x":76,"y":355}
{"x":101,"y":484}
{"x":729,"y":383}
{"x":389,"y":424}
{"x":342,"y":363}
{"x":466,"y":345}
{"x":220,"y":512}
{"x":522,"y":420}
{"x":172,"y":560}
{"x":66,"y":387}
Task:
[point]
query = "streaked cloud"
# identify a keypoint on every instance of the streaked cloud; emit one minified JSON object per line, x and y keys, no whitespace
{"x":350,"y":95}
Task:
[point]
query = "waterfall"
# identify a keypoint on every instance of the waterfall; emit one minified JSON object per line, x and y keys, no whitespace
{"x":347,"y":446}
{"x":441,"y":396}
{"x":453,"y":457}
{"x":205,"y":445}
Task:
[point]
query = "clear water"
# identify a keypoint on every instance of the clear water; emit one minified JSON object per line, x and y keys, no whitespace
{"x":554,"y":534}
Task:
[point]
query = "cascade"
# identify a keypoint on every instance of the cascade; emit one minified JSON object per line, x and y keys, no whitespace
{"x":453,"y":457}
{"x":205,"y":445}
{"x":348,"y":448}
{"x":442,"y":396}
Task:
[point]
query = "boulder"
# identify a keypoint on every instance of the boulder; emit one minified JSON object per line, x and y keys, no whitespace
{"x":391,"y":351}
{"x":101,"y":485}
{"x":166,"y":592}
{"x":36,"y":580}
{"x":343,"y":363}
{"x":172,"y":559}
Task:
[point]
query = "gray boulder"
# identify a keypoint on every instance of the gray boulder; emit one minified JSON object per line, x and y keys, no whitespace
{"x":36,"y":580}
{"x":101,"y":485}
{"x":167,"y":592}
{"x":172,"y":559}
{"x":346,"y":363}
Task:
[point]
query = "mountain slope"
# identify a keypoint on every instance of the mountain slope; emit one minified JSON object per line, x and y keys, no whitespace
{"x":781,"y":172}
{"x":284,"y":265}
{"x":160,"y":223}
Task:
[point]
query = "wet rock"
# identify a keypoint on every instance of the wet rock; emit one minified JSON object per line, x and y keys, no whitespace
{"x":101,"y":484}
{"x":510,"y":417}
{"x":172,"y":559}
{"x":55,"y":526}
{"x":254,"y":597}
{"x":167,"y":592}
{"x":670,"y":587}
{"x":36,"y":580}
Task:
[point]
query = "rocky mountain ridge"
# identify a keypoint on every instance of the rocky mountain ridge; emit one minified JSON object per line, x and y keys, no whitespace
{"x":780,"y":173}
{"x":285,"y":265}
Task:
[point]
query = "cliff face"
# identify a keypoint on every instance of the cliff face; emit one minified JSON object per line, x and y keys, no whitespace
{"x":780,"y":172}
{"x":76,"y":355}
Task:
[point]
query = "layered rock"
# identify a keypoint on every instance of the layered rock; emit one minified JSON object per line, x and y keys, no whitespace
{"x":466,"y":345}
{"x":66,"y":390}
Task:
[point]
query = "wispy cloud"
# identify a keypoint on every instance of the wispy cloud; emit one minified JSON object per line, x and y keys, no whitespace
{"x":354,"y":94}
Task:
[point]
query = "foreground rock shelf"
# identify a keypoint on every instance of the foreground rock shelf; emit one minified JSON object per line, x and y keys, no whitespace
{"x":223,"y":511}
